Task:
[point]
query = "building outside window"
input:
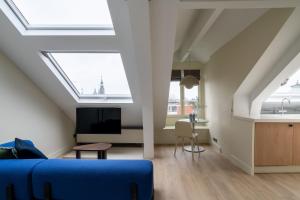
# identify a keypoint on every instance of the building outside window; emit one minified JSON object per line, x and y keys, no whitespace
{"x":191,"y":100}
{"x":174,"y":107}
{"x":183,"y":101}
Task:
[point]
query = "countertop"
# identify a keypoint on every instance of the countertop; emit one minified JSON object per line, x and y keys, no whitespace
{"x":279,"y":118}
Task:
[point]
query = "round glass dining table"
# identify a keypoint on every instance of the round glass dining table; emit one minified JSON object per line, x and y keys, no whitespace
{"x":189,"y":147}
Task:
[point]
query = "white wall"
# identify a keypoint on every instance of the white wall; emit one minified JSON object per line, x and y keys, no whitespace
{"x":283,"y":29}
{"x":28,"y":113}
{"x":223,"y":75}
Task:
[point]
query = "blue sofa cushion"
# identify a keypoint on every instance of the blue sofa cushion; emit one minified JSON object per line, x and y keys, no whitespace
{"x":12,"y":143}
{"x":26,"y":150}
{"x":8,"y":144}
{"x":18,"y":173}
{"x":95,"y":179}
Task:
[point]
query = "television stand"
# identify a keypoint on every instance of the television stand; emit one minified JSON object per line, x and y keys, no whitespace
{"x":101,"y":149}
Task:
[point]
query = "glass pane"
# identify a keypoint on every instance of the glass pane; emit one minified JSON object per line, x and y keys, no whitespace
{"x":174,"y":99}
{"x":95,"y":74}
{"x":191,"y":100}
{"x":286,"y":99}
{"x":65,"y":12}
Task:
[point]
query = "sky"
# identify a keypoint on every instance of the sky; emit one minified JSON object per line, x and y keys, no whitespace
{"x":189,"y":94}
{"x":85,"y":71}
{"x":65,"y":12}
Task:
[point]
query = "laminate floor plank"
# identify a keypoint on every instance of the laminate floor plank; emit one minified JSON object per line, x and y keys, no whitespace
{"x":213,"y":177}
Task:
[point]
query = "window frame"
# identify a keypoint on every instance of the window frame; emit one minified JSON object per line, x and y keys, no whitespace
{"x":17,"y":12}
{"x":66,"y":79}
{"x":182,"y":100}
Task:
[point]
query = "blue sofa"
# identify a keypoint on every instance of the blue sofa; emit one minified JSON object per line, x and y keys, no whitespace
{"x":60,"y":179}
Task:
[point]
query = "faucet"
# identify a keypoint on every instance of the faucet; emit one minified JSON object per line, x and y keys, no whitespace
{"x":282,"y":104}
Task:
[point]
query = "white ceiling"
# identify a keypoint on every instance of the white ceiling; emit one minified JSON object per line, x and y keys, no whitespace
{"x":228,"y":24}
{"x":185,"y":21}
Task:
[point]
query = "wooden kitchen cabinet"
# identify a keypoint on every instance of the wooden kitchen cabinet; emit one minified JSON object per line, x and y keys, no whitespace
{"x":274,"y":144}
{"x":296,"y":144}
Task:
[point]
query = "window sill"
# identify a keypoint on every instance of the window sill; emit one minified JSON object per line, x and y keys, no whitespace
{"x":177,"y":116}
{"x":197,"y":127}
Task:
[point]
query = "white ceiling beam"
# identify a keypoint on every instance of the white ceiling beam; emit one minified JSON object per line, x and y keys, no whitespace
{"x":120,"y":17}
{"x":238,"y":4}
{"x":139,"y":12}
{"x":204,"y":22}
{"x":163,"y":18}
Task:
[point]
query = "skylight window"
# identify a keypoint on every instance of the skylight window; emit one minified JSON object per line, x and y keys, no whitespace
{"x":93,"y":75}
{"x":63,"y":14}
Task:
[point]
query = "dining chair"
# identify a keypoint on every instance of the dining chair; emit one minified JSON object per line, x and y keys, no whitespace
{"x":184,"y":130}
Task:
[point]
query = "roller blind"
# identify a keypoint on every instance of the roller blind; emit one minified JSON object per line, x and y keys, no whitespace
{"x":195,"y":73}
{"x":176,"y":75}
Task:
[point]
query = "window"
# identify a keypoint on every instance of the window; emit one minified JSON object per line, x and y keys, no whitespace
{"x":183,"y":101}
{"x":174,"y":99}
{"x":93,"y":75}
{"x":191,"y":100}
{"x":62,"y":14}
{"x":286,"y":99}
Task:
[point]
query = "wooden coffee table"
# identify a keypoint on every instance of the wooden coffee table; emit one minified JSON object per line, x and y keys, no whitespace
{"x":101,"y":149}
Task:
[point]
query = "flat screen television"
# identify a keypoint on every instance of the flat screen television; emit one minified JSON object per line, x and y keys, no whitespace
{"x":98,"y":121}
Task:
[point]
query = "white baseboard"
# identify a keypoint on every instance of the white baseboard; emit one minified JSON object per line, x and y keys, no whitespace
{"x":216,"y":147}
{"x":127,"y":136}
{"x":277,"y":169}
{"x":59,"y":152}
{"x":241,"y":164}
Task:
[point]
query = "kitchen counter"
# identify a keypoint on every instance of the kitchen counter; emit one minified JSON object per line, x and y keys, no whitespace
{"x":279,"y":118}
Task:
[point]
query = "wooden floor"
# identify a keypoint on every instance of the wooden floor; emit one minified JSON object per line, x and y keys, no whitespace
{"x":214,"y":177}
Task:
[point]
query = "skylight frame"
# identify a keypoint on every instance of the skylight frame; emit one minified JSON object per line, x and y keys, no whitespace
{"x":17,"y":12}
{"x":68,"y":82}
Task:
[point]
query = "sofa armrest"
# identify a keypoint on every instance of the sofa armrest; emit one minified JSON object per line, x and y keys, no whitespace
{"x":99,"y":179}
{"x":16,"y":178}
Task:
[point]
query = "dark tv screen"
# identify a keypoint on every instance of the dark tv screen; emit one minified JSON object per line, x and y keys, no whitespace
{"x":98,"y":120}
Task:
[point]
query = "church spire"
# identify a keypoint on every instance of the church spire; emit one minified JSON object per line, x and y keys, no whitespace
{"x":101,"y":90}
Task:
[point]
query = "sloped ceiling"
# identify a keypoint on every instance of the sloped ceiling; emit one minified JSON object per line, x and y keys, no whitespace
{"x":24,"y":48}
{"x":227,"y":25}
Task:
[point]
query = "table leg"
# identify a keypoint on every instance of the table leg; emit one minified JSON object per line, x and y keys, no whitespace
{"x":102,"y":155}
{"x":99,"y":154}
{"x":78,"y":155}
